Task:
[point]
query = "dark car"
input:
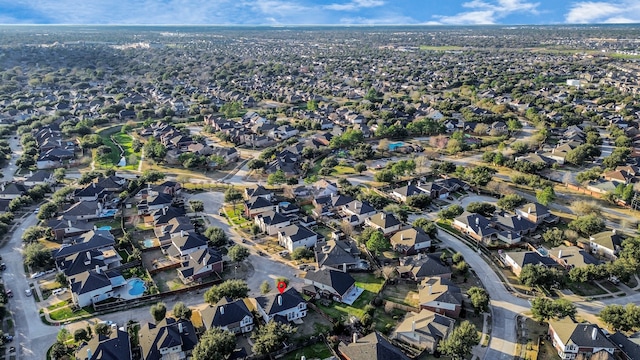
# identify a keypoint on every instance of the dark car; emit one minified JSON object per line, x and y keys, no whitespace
{"x":7,"y":338}
{"x":261,"y":253}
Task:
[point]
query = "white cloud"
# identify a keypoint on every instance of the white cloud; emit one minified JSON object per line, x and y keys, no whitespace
{"x":387,"y":20}
{"x":485,"y":12}
{"x":354,"y":5}
{"x":626,"y":11}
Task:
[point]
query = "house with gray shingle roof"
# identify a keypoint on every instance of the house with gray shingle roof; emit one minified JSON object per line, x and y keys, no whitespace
{"x":228,"y":314}
{"x":423,"y":330}
{"x":571,"y":338}
{"x":289,"y":305}
{"x":410,"y":241}
{"x":199,"y":264}
{"x":371,"y":347}
{"x":337,"y":254}
{"x":441,"y":296}
{"x":112,"y":346}
{"x":168,"y":339}
{"x":387,"y":223}
{"x":475,"y":226}
{"x":294,"y":236}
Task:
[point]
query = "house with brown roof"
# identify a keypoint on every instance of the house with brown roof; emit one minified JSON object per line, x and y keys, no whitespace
{"x":410,"y":241}
{"x":571,"y":339}
{"x":441,"y":296}
{"x":423,"y":330}
{"x":387,"y":223}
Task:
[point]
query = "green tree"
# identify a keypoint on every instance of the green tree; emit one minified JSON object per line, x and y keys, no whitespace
{"x":181,"y":311}
{"x":256,"y":164}
{"x":214,"y":344}
{"x":277,"y":177}
{"x":554,"y":236}
{"x":233,"y":288}
{"x":47,"y":211}
{"x":102,"y":329}
{"x":377,"y":243}
{"x":542,"y":309}
{"x":479,"y":299}
{"x":450,"y":212}
{"x":623,"y":318}
{"x":510,"y":202}
{"x":587,"y":225}
{"x":384,"y":175}
{"x":36,"y":255}
{"x":459,"y":343}
{"x":59,"y":174}
{"x":158,"y":311}
{"x":546,"y":195}
{"x":59,"y":350}
{"x":196,"y":206}
{"x":216,"y":236}
{"x":360,"y":168}
{"x":80,"y":335}
{"x":420,"y":201}
{"x":238,"y":253}
{"x":265,"y":287}
{"x":481,"y":208}
{"x":302,"y":252}
{"x":270,"y":337}
{"x":429,"y":227}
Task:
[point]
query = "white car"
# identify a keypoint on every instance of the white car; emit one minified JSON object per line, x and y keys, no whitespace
{"x":28,"y":292}
{"x":36,"y":210}
{"x":37,"y":275}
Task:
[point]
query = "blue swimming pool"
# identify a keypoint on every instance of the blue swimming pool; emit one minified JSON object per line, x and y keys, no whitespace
{"x":395,"y":145}
{"x":106,"y":227}
{"x":108,"y":213}
{"x":136,"y":287}
{"x":148,"y":243}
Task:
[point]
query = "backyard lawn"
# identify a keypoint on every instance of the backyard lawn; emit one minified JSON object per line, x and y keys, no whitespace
{"x":316,"y":351}
{"x":405,"y":294}
{"x":371,"y":286}
{"x":585,"y":289}
{"x":64,"y":313}
{"x":126,"y":141}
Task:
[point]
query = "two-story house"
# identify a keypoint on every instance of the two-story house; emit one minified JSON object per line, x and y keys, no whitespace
{"x":168,"y":339}
{"x":332,"y":283}
{"x":228,"y":314}
{"x":294,"y":236}
{"x":441,"y":296}
{"x":287,"y":306}
{"x":199,"y":264}
{"x":387,"y":223}
{"x":271,"y":222}
{"x":410,"y":241}
{"x":571,"y":339}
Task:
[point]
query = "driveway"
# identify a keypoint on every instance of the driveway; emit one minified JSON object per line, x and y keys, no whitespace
{"x":265,"y":268}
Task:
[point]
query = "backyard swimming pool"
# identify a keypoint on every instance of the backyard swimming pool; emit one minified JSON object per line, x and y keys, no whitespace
{"x":136,"y":287}
{"x":108,"y":213}
{"x":395,"y":145}
{"x":106,"y":227}
{"x":148,"y":243}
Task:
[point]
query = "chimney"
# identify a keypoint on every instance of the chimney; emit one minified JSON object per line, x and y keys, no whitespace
{"x":30,"y":173}
{"x":221,"y":309}
{"x":401,"y":237}
{"x":181,"y":232}
{"x":344,"y":267}
{"x":355,"y":337}
{"x":477,"y":221}
{"x":613,"y":231}
{"x":413,"y":325}
{"x":560,"y":254}
{"x":383,"y":215}
{"x":529,"y":210}
{"x":594,"y":333}
{"x":89,"y":353}
{"x":180,"y":327}
{"x":68,"y":223}
{"x":94,"y":185}
{"x":519,"y":217}
{"x":98,"y":269}
{"x":95,"y":228}
{"x":279,"y":300}
{"x":164,"y":211}
{"x":430,"y":289}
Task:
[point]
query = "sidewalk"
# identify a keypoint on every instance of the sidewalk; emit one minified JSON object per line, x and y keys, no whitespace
{"x":480,"y":351}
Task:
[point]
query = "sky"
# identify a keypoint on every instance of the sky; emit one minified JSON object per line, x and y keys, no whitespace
{"x":318,"y":12}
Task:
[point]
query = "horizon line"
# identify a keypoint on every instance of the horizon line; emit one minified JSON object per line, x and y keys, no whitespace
{"x":329,"y":25}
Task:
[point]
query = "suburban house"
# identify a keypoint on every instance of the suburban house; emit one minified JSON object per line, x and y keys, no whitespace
{"x":79,"y":262}
{"x":173,"y":227}
{"x":606,"y":243}
{"x":357,"y":211}
{"x":572,"y":256}
{"x":258,"y":191}
{"x":410,"y":241}
{"x":295,"y":236}
{"x":257,"y":205}
{"x":536,"y":213}
{"x":629,"y":346}
{"x":199,"y":264}
{"x":337,"y":254}
{"x":271,"y":222}
{"x":228,"y":314}
{"x":154,"y":202}
{"x":113,"y":346}
{"x":516,"y":260}
{"x":475,"y":226}
{"x":571,"y":339}
{"x":371,"y":347}
{"x":441,"y":296}
{"x":287,"y":306}
{"x":325,"y":187}
{"x":91,"y":240}
{"x":335,"y":284}
{"x":420,"y":266}
{"x":387,"y":223}
{"x":40,"y":177}
{"x":12,"y":190}
{"x":62,"y":227}
{"x":423,"y":330}
{"x":516,"y":224}
{"x":184,"y":244}
{"x":402,"y":193}
{"x":90,"y":287}
{"x":168,"y":339}
{"x":83,"y":210}
{"x":89,"y":193}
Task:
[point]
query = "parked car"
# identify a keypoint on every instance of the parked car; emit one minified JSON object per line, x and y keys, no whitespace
{"x":28,"y":292}
{"x":7,"y":338}
{"x":37,"y":275}
{"x":36,"y":210}
{"x":9,"y":293}
{"x":3,"y":266}
{"x":261,"y":253}
{"x":59,"y":291}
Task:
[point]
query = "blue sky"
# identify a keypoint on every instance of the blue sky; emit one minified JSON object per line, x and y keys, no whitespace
{"x":291,"y":12}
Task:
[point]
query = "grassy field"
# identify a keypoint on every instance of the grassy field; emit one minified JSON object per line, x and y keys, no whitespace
{"x":64,"y":313}
{"x":371,"y":286}
{"x":316,"y":351}
{"x":406,"y":294}
{"x":126,"y":141}
{"x":114,"y":156}
{"x":343,"y":170}
{"x":585,"y":289}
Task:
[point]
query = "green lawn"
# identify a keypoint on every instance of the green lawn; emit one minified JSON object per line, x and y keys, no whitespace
{"x":585,"y":289}
{"x":343,"y":170}
{"x":316,"y":351}
{"x":371,"y":286}
{"x":114,"y":156}
{"x":126,"y":141}
{"x":66,"y":313}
